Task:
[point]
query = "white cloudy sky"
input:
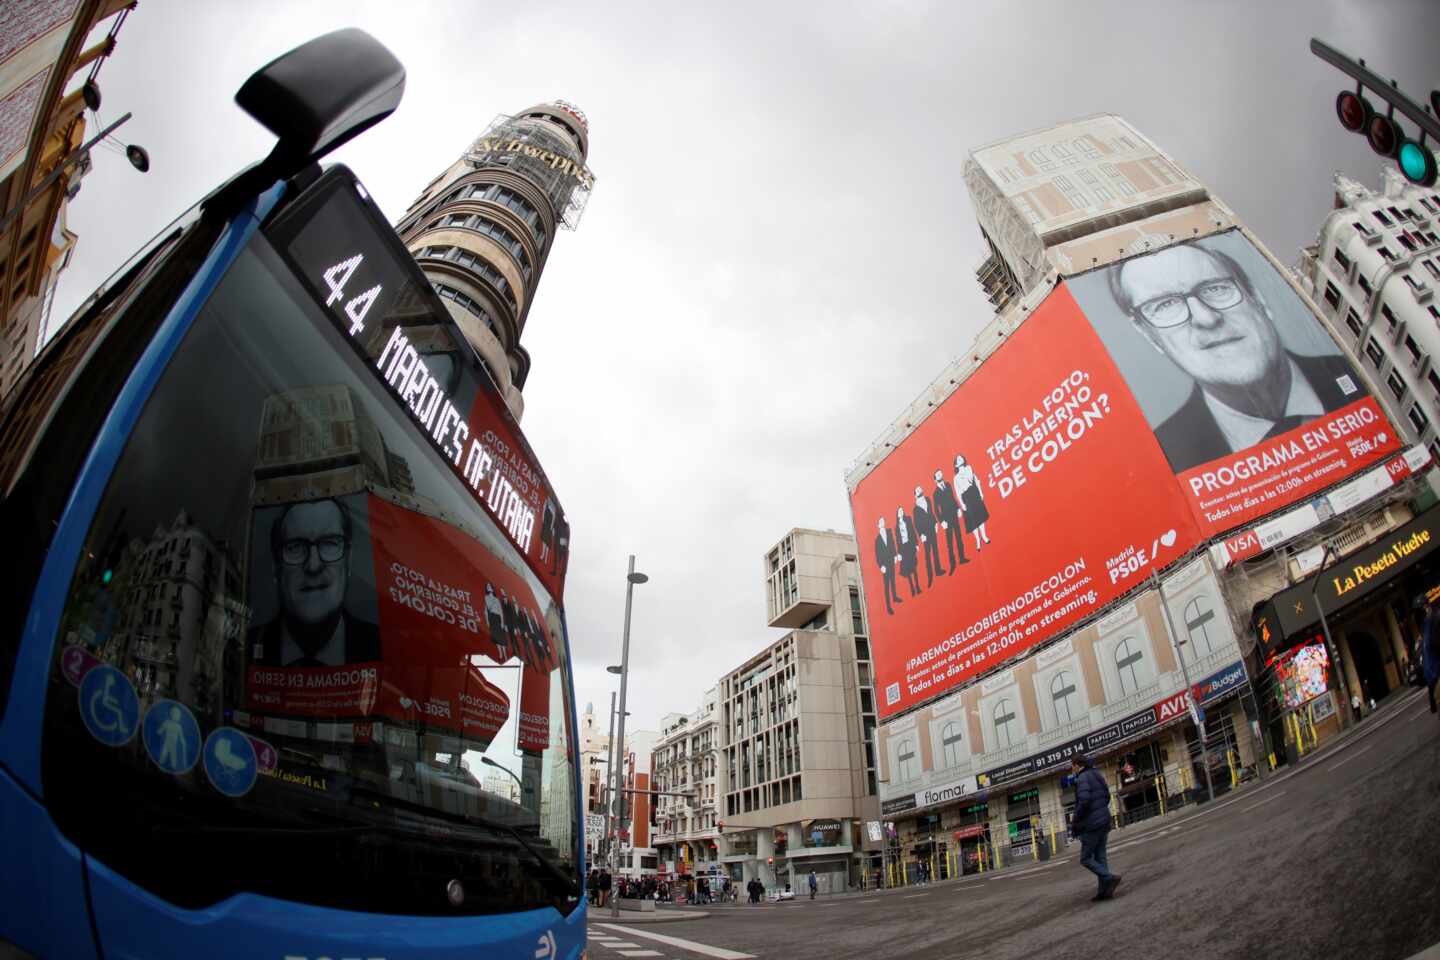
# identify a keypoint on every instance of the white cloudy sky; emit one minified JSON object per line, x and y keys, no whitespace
{"x":779,"y":252}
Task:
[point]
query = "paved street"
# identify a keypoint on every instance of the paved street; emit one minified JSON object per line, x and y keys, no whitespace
{"x":1339,"y":858}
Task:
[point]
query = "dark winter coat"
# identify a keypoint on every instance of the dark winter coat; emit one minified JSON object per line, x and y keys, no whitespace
{"x":1092,"y":802}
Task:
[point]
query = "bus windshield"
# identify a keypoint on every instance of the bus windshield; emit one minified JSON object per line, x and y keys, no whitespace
{"x":315,"y":648}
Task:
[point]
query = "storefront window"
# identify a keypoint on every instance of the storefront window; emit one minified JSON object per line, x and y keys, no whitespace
{"x":906,"y":756}
{"x":1007,"y":732}
{"x":950,"y":740}
{"x":1127,"y":656}
{"x":1062,"y":691}
{"x":1198,"y":615}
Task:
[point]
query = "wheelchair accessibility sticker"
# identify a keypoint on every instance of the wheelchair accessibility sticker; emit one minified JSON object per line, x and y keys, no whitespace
{"x":172,"y":737}
{"x":108,"y":705}
{"x":230,"y":761}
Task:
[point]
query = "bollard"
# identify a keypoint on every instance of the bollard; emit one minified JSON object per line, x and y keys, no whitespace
{"x":1234,"y":777}
{"x":1053,"y":849}
{"x":1160,"y":791}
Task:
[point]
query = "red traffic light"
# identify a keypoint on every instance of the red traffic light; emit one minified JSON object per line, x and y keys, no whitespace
{"x":1353,"y":110}
{"x":1383,"y":135}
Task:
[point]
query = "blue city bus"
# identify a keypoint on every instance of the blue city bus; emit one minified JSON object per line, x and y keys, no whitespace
{"x":284,"y":670}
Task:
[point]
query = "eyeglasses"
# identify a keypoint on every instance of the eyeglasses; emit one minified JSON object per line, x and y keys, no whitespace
{"x":297,"y":551}
{"x":1173,"y":309}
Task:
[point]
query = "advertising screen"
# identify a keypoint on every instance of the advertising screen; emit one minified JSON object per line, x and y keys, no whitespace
{"x":1251,"y":401}
{"x":994,"y":525}
{"x":1301,"y":676}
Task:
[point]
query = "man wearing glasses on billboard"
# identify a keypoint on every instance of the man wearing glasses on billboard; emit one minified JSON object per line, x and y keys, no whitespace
{"x":310,"y":550}
{"x":1199,"y":308}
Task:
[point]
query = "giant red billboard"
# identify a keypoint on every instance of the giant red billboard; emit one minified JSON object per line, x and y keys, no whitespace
{"x":1141,"y":409}
{"x":1031,"y":497}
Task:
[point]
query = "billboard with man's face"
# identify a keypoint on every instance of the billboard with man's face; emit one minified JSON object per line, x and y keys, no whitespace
{"x":1251,"y":401}
{"x":1140,"y":410}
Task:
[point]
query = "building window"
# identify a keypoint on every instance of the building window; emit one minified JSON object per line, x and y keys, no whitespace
{"x":1063,"y":694}
{"x":1396,"y":385}
{"x":1198,"y":618}
{"x":1384,"y":220}
{"x":1006,"y":729}
{"x":1375,"y":354}
{"x":906,"y":755}
{"x":1417,"y":357}
{"x":1352,"y":320}
{"x":1418,"y":420}
{"x":1430,"y":265}
{"x":1342,"y":261}
{"x":950,"y":740}
{"x":1365,"y":287}
{"x":1127,"y":655}
{"x":1390,"y":320}
{"x":1332,"y":295}
{"x":1384,"y":252}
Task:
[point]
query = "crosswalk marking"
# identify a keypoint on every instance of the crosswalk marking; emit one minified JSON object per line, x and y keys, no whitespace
{"x":718,"y":953}
{"x":640,"y":953}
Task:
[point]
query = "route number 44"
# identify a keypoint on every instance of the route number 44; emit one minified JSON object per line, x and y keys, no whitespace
{"x":336,"y":278}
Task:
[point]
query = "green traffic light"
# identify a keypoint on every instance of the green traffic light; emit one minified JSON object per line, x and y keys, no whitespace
{"x":1417,"y":163}
{"x":106,"y":577}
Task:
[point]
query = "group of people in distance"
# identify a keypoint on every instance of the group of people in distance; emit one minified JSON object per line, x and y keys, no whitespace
{"x":515,"y":630}
{"x":919,"y":530}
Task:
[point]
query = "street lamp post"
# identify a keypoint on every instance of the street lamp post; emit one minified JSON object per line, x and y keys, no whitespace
{"x":617,"y":770}
{"x":1189,"y":692}
{"x":1334,"y":654}
{"x":518,"y":782}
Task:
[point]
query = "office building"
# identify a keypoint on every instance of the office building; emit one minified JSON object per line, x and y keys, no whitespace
{"x":44,"y":68}
{"x":796,"y":764}
{"x":482,"y":230}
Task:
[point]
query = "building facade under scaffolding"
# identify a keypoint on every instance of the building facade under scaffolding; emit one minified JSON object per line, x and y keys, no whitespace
{"x":1219,"y":669}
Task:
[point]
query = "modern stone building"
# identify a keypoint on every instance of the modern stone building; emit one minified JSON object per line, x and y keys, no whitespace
{"x":796,"y":765}
{"x":482,"y":230}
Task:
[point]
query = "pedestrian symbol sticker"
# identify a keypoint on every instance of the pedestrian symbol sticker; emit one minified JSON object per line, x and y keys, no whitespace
{"x":108,"y":705}
{"x":172,"y":737}
{"x":230,"y":761}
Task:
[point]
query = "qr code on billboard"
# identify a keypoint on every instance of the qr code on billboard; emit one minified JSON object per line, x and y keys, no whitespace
{"x":892,"y":694}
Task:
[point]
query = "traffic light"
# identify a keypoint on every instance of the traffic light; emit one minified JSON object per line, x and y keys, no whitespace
{"x":1382,"y":131}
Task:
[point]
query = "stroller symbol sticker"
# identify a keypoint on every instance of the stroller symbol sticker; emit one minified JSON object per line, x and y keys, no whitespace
{"x":230,"y":761}
{"x":172,"y":737}
{"x":108,"y":706}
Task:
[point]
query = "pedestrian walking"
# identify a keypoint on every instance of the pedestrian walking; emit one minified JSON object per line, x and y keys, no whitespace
{"x":1355,"y":706}
{"x":1091,"y":823}
{"x":605,"y":883}
{"x":814,"y":884}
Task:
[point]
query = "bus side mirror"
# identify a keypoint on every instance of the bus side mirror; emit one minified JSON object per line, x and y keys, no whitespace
{"x":322,"y":94}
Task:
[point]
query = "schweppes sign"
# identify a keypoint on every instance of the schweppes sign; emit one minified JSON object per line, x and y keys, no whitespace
{"x":1358,"y":574}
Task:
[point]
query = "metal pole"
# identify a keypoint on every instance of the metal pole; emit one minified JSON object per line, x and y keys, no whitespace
{"x":54,"y":175}
{"x":1185,"y":673}
{"x":1345,"y":718}
{"x":624,"y":677}
{"x":609,"y":798}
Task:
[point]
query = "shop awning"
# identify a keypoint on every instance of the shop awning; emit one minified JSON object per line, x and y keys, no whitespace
{"x":1293,"y":612}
